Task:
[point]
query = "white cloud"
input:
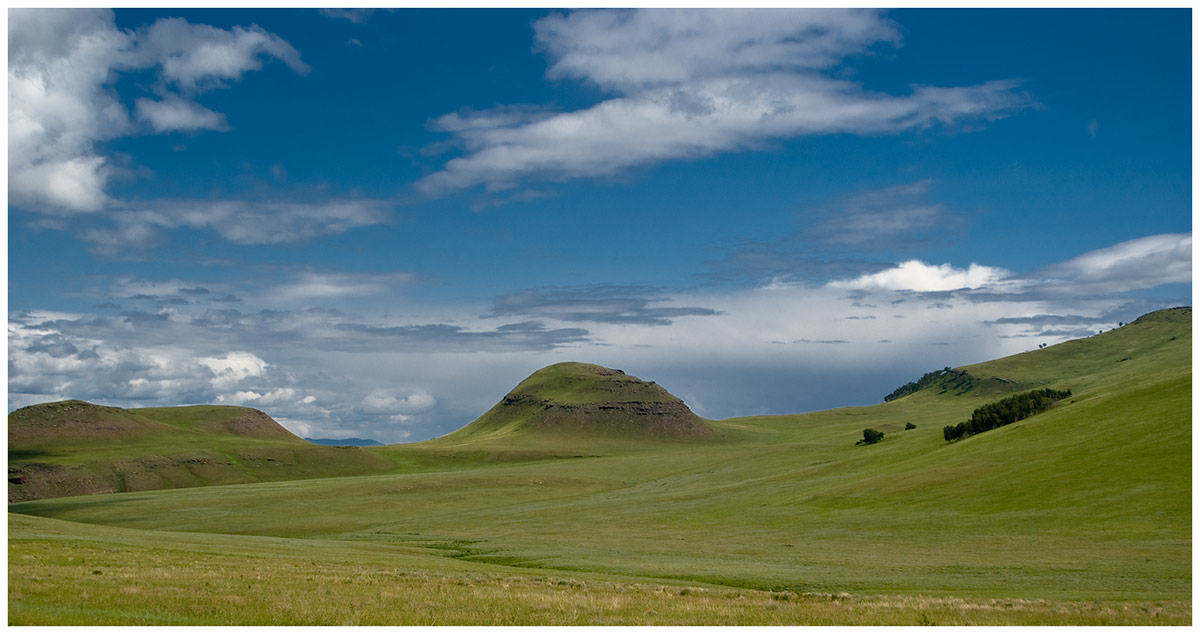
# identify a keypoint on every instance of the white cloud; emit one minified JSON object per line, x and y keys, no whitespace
{"x":63,"y":66}
{"x":198,"y":56}
{"x":280,"y":396}
{"x":232,"y":368}
{"x":59,"y":104}
{"x":693,"y":84}
{"x":915,"y":275}
{"x":174,"y":113}
{"x":357,"y":16}
{"x":313,"y":285}
{"x":627,"y":50}
{"x":383,"y":401}
{"x":781,"y":348}
{"x":240,"y":222}
{"x":1141,"y":263}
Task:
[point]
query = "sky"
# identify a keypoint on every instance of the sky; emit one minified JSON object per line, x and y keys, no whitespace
{"x":374,"y":223}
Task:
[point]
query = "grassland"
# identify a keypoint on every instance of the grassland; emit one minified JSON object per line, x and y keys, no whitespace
{"x":73,"y":447}
{"x":1079,"y":515}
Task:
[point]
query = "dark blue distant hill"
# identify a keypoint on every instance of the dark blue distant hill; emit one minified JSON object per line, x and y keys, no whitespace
{"x":344,"y":442}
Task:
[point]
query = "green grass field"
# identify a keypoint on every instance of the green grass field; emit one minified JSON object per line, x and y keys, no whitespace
{"x":1079,"y":515}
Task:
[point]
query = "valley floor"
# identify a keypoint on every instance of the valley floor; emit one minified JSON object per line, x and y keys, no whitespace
{"x":62,"y":573}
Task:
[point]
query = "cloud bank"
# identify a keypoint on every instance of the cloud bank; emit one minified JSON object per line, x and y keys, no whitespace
{"x":325,"y":362}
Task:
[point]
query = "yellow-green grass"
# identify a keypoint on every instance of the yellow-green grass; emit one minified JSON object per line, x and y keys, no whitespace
{"x":1079,"y":515}
{"x":63,"y":573}
{"x":72,"y":448}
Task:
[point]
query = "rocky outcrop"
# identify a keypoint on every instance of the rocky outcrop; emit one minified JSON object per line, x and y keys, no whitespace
{"x":665,"y":418}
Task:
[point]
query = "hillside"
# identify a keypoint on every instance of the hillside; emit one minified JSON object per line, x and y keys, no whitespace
{"x":1155,"y":346}
{"x":580,"y":399}
{"x":74,"y":448}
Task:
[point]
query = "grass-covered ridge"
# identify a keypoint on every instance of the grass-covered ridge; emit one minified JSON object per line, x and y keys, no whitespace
{"x":1079,"y":515}
{"x":73,"y":448}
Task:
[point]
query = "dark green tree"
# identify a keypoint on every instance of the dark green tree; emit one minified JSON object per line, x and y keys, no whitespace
{"x":870,"y":437}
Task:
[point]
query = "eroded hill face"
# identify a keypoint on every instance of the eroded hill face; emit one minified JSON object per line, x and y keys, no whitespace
{"x":590,"y":400}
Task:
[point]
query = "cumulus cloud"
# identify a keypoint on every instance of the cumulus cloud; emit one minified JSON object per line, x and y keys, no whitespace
{"x":915,"y":275}
{"x":278,"y":397}
{"x":690,"y":84}
{"x":54,"y":357}
{"x":60,"y":104}
{"x":63,"y":66}
{"x":232,"y":368}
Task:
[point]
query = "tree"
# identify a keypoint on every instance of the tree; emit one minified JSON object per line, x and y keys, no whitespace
{"x":870,"y":437}
{"x":909,"y":426}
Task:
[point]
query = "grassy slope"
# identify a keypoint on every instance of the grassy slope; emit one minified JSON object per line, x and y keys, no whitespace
{"x":588,"y":383}
{"x":1089,"y":501}
{"x":74,"y":447}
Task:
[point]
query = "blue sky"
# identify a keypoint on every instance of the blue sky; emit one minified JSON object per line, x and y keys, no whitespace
{"x":375,"y":223}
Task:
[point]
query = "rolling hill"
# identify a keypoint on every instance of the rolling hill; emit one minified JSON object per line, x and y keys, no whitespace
{"x":1080,"y":514}
{"x":573,"y":399}
{"x":74,"y":448}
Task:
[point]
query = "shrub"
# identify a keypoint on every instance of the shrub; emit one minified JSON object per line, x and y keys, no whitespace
{"x":870,"y":437}
{"x":909,"y":426}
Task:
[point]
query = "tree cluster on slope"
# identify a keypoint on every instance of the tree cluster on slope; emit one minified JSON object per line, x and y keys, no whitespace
{"x":947,"y":377}
{"x":1005,"y":411}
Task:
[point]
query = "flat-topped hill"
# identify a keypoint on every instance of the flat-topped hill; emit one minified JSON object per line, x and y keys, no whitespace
{"x":221,"y":419}
{"x":77,"y":422}
{"x":590,"y":400}
{"x":75,"y":448}
{"x":65,"y":423}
